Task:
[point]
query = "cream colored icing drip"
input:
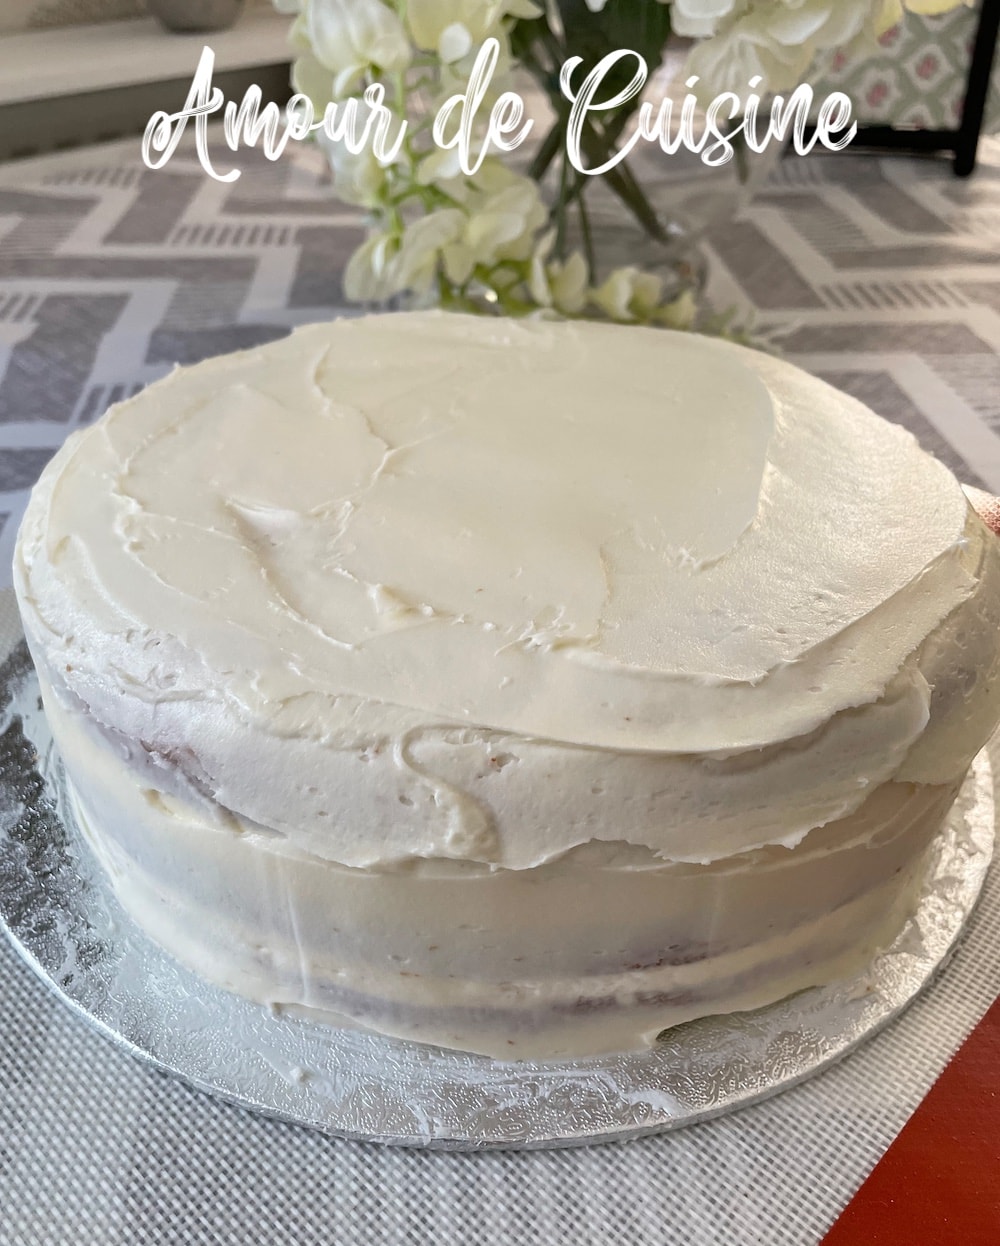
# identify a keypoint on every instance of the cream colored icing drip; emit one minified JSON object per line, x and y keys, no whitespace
{"x":344,"y":573}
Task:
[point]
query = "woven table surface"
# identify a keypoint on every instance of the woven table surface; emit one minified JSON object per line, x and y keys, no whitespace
{"x":882,"y":276}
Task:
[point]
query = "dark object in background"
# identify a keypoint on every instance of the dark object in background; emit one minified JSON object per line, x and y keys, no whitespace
{"x":962,"y":142}
{"x":190,"y":15}
{"x":74,"y":86}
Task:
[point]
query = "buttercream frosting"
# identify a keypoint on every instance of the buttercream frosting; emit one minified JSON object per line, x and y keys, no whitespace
{"x":420,"y":589}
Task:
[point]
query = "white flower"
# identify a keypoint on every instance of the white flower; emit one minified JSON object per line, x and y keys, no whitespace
{"x":568,"y":282}
{"x":553,"y":283}
{"x":357,"y":178}
{"x":730,"y":60}
{"x":415,"y":265}
{"x":679,"y":314}
{"x":454,"y":43}
{"x":366,"y":272}
{"x":453,"y":75}
{"x":499,"y":218}
{"x":776,"y":40}
{"x":819,"y":23}
{"x":452,"y":28}
{"x":503,"y":225}
{"x":440,"y":165}
{"x":501,"y":221}
{"x":348,"y":37}
{"x":931,"y":8}
{"x":501,"y":214}
{"x":311,"y":78}
{"x":890,"y":12}
{"x":628,"y":294}
{"x":695,"y":19}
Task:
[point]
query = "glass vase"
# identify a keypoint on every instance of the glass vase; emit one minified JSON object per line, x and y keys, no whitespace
{"x":653,"y":209}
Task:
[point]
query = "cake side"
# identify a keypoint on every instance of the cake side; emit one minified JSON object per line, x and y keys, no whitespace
{"x":597,"y":951}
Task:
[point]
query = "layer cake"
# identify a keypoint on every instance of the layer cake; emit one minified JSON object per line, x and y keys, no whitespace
{"x":520,"y":687}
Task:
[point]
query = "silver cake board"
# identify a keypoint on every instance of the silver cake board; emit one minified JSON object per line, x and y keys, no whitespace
{"x":63,"y":918}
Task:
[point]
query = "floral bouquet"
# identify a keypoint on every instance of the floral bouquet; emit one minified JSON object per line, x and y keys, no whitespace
{"x":522,"y":240}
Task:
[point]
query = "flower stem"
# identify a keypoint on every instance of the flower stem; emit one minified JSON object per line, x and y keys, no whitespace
{"x":588,"y":239}
{"x":561,"y":205}
{"x":546,"y":153}
{"x":623,"y":183}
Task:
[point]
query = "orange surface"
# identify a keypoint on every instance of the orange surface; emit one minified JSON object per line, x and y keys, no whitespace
{"x":939,"y":1182}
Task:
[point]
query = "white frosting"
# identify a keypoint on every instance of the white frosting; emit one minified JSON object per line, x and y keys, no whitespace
{"x":558,"y":538}
{"x":491,"y":595}
{"x":595,"y":952}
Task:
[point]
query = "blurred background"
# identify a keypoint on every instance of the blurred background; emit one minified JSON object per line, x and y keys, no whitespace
{"x":78,"y":71}
{"x":85,"y":71}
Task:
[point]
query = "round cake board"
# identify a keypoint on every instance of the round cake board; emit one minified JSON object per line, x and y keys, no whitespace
{"x":63,"y":918}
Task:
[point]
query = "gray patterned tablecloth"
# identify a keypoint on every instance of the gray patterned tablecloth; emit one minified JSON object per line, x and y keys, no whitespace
{"x":883,"y":276}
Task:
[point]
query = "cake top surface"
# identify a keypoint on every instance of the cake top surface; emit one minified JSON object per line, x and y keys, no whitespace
{"x":621,"y":538}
